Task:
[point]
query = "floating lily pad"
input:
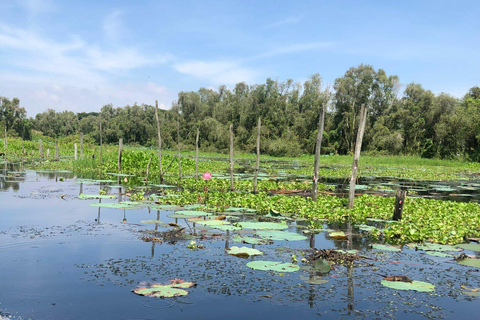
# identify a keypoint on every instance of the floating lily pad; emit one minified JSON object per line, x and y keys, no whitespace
{"x":250,"y":240}
{"x":162,"y":185}
{"x":120,"y":174}
{"x":96,"y":196}
{"x":280,"y":235}
{"x":113,"y":205}
{"x":243,"y":210}
{"x":438,"y":247}
{"x":164,"y":291}
{"x":273,"y":266}
{"x":213,"y":222}
{"x":385,"y":247}
{"x":244,"y":252}
{"x":469,"y":246}
{"x":151,"y":221}
{"x":164,"y":207}
{"x":337,"y":235}
{"x":178,"y":216}
{"x":313,"y":280}
{"x":193,"y":206}
{"x":225,"y":227}
{"x":365,"y":227}
{"x":470,"y":262}
{"x":438,"y":254}
{"x":414,"y":285}
{"x":263,"y":225}
{"x":192,"y":213}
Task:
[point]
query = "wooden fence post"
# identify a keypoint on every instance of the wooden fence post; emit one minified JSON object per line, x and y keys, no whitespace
{"x":120,"y":149}
{"x":81,"y":145}
{"x":399,"y":202}
{"x":231,"y":157}
{"x":257,"y":164}
{"x":159,"y":142}
{"x":76,"y":151}
{"x":356,"y":156}
{"x":40,"y":148}
{"x":148,"y":168}
{"x":196,"y":153}
{"x":318,"y":147}
{"x":57,"y":152}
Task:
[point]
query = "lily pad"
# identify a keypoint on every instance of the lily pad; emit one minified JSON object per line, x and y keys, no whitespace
{"x":414,"y":285}
{"x":438,"y":247}
{"x":280,"y":235}
{"x":244,"y":252}
{"x":385,"y":247}
{"x":164,"y":291}
{"x":337,"y":235}
{"x":263,"y":225}
{"x":250,"y":240}
{"x":470,"y":262}
{"x":226,"y":227}
{"x":113,"y":205}
{"x":438,"y":254}
{"x":469,"y":246}
{"x":243,"y":210}
{"x":314,"y":280}
{"x":193,"y":213}
{"x":365,"y":227}
{"x":151,"y":221}
{"x":273,"y":266}
{"x":164,"y":207}
{"x":212,"y":222}
{"x":96,"y":196}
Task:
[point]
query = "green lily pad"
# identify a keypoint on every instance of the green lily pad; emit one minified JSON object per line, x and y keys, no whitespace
{"x":280,"y":235}
{"x":438,"y":254}
{"x":164,"y":207}
{"x":192,"y":213}
{"x":365,"y":227}
{"x":244,"y":252}
{"x":113,"y":205}
{"x":178,"y":216}
{"x":213,"y":222}
{"x":193,"y":206}
{"x":151,"y":221}
{"x":162,"y":185}
{"x":385,"y":247}
{"x":470,"y":262}
{"x":414,"y":285}
{"x":120,"y":174}
{"x":250,"y":240}
{"x":469,"y":246}
{"x":164,"y":291}
{"x":313,"y":280}
{"x":337,"y":235}
{"x":263,"y":225}
{"x":243,"y":210}
{"x":273,"y":266}
{"x":225,"y":227}
{"x":438,"y":247}
{"x":96,"y":196}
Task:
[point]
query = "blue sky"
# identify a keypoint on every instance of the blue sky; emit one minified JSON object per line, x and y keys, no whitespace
{"x":81,"y":55}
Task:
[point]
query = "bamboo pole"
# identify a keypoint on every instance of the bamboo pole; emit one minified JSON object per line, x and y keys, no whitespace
{"x":75,"y":151}
{"x":81,"y":145}
{"x":179,"y":156}
{"x":231,"y":157}
{"x":159,"y":142}
{"x":318,"y":147}
{"x":257,"y":164}
{"x":196,"y":153}
{"x":148,"y":168}
{"x":40,"y":148}
{"x":57,"y":152}
{"x":356,"y":156}
{"x":5,"y":143}
{"x":101,"y":146}
{"x":120,"y":150}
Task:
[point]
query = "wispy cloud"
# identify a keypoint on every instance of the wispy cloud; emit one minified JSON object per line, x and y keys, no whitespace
{"x":36,"y":7}
{"x":295,"y":48}
{"x":113,"y":25}
{"x":286,"y":21}
{"x":217,"y":72}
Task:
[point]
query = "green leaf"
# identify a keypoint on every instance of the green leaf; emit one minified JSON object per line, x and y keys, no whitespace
{"x":470,"y":262}
{"x":193,"y":213}
{"x":244,"y":252}
{"x":438,"y":247}
{"x":96,"y":196}
{"x":414,"y":285}
{"x":273,"y":266}
{"x":263,"y":225}
{"x":469,"y":246}
{"x":385,"y":247}
{"x":280,"y":235}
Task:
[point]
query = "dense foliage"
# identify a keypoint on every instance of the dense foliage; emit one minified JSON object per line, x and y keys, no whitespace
{"x":415,"y":122}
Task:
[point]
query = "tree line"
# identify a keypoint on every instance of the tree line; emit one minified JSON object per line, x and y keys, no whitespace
{"x":413,"y":122}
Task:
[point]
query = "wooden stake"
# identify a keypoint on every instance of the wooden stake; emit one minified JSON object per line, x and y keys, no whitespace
{"x":120,"y":150}
{"x":159,"y":142}
{"x":40,"y":148}
{"x":57,"y":153}
{"x":257,"y":164}
{"x":81,"y":145}
{"x":76,"y":151}
{"x":356,"y":156}
{"x":231,"y":157}
{"x":196,"y":153}
{"x":179,"y":157}
{"x":399,"y":202}
{"x":101,"y":147}
{"x":318,"y":147}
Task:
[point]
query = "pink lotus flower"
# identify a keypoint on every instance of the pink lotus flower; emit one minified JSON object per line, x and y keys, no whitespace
{"x":207,"y":176}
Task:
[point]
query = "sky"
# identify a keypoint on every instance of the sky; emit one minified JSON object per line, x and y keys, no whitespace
{"x":81,"y":55}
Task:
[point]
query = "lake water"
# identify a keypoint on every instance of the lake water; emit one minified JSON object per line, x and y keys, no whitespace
{"x":61,"y":258}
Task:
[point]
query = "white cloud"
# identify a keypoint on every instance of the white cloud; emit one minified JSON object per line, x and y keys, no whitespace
{"x":36,"y":7}
{"x":286,"y":21}
{"x":295,"y":48}
{"x":112,"y":25}
{"x":217,"y":72}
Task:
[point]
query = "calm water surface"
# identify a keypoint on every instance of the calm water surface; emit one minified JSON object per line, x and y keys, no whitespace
{"x":63,"y":259}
